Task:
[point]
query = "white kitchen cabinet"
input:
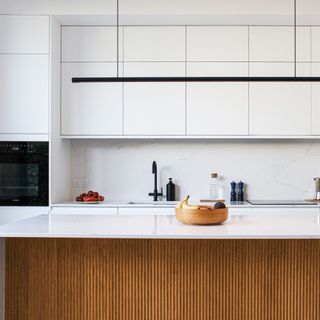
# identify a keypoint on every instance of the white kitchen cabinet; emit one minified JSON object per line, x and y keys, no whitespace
{"x":315,"y":43}
{"x":217,"y":108}
{"x":304,"y":65}
{"x":279,"y":108}
{"x":24,"y":84}
{"x":154,"y":51}
{"x":217,"y":43}
{"x":271,"y":51}
{"x":90,"y":108}
{"x":14,"y":214}
{"x":303,"y":44}
{"x":316,"y":108}
{"x":89,"y":44}
{"x":271,"y":44}
{"x":217,"y":51}
{"x":154,"y":43}
{"x":154,"y":109}
{"x":24,"y":34}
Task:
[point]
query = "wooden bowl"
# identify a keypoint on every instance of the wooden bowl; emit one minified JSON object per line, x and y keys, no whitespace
{"x":204,"y":216}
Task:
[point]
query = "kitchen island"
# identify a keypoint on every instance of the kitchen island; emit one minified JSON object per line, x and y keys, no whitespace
{"x":263,"y":266}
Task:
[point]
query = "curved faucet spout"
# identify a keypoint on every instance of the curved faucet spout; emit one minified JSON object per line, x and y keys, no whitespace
{"x":154,"y":167}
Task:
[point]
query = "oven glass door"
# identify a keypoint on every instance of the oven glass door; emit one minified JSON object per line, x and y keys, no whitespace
{"x":24,"y":179}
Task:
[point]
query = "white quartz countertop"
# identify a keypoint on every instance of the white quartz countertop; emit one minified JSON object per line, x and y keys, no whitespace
{"x":268,"y":225}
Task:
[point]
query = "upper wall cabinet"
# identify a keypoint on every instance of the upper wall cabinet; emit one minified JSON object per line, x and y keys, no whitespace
{"x":217,"y":108}
{"x":154,"y":109}
{"x":316,"y":108}
{"x":278,"y":109}
{"x":271,"y":51}
{"x":24,"y":34}
{"x":217,"y":51}
{"x":154,"y":51}
{"x":89,"y":44}
{"x":90,"y":108}
{"x":315,"y":40}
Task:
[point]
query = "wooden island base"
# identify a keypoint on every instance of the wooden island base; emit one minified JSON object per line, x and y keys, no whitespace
{"x":74,"y":279}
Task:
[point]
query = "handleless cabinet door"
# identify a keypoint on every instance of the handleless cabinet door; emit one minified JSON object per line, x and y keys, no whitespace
{"x":315,"y":108}
{"x":24,"y":94}
{"x":271,"y":51}
{"x":277,"y":109}
{"x":154,"y":109}
{"x":154,"y":43}
{"x":217,"y":108}
{"x":315,"y":51}
{"x":90,"y":108}
{"x":315,"y":43}
{"x":303,"y":43}
{"x":89,"y":44}
{"x":24,"y":34}
{"x":154,"y":51}
{"x":217,"y":51}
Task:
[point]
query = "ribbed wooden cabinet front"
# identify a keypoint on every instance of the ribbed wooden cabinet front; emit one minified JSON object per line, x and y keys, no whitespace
{"x":162,"y":279}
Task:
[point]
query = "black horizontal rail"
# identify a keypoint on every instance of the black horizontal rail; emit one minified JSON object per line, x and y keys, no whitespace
{"x":195,"y":79}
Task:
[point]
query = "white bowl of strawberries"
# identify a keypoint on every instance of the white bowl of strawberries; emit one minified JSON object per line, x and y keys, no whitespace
{"x":90,"y":197}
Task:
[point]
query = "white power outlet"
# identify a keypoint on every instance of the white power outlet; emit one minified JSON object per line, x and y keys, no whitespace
{"x":80,"y":182}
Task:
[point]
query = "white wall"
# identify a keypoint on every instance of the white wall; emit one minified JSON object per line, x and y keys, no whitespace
{"x":122,"y":170}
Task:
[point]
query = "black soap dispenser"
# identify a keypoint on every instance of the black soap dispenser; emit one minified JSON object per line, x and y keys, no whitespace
{"x":171,"y":191}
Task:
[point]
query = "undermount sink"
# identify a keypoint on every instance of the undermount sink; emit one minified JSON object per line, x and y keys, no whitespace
{"x":153,"y":203}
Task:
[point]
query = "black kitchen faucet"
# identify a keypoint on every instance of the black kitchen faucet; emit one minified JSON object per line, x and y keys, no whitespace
{"x":155,"y":193}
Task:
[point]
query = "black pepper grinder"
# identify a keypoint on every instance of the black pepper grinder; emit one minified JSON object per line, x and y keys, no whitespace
{"x":240,"y":191}
{"x":171,"y":191}
{"x":233,"y":194}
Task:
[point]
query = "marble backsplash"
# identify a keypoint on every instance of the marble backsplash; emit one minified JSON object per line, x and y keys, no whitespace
{"x":121,"y":170}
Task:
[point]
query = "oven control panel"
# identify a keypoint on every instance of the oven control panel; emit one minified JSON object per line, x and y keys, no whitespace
{"x":23,"y":147}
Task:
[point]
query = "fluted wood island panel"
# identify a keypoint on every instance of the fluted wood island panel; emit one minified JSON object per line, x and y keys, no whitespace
{"x":162,"y":279}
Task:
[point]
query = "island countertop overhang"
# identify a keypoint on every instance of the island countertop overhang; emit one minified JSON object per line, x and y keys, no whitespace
{"x":268,"y":225}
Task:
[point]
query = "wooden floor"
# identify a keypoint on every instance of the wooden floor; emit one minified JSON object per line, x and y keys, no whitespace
{"x":162,"y":279}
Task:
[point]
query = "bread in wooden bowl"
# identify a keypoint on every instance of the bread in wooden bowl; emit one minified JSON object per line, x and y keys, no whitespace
{"x":201,"y":215}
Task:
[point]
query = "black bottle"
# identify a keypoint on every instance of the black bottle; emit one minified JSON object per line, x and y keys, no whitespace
{"x":171,"y":191}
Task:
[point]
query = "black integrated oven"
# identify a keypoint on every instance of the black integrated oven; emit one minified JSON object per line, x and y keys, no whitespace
{"x":24,"y":173}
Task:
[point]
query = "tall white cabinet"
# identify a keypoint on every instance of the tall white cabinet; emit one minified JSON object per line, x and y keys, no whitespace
{"x":24,"y":75}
